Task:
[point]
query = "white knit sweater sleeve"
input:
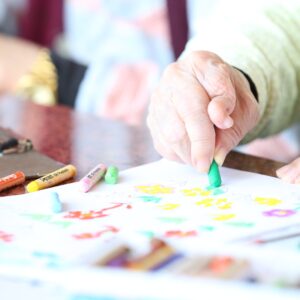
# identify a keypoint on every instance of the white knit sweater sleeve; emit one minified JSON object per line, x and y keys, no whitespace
{"x":262,"y":38}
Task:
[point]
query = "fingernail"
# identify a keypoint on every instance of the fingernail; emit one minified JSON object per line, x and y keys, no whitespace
{"x":228,"y":123}
{"x":220,"y":157}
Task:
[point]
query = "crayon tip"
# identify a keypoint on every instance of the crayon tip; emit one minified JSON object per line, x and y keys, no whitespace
{"x":111,"y":175}
{"x":214,"y":176}
{"x":32,"y":187}
{"x":56,"y":203}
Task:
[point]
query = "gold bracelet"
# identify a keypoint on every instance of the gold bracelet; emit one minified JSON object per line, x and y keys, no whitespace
{"x":40,"y":83}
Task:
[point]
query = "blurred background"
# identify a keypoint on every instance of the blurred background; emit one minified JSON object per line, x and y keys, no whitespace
{"x":104,"y":57}
{"x":112,"y":52}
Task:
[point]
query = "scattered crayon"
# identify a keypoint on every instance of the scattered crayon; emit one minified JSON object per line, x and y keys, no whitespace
{"x":191,"y":266}
{"x":12,"y":180}
{"x":52,"y":179}
{"x":56,"y":204}
{"x":169,"y":260}
{"x":227,"y":268}
{"x":214,"y":176}
{"x":119,"y":260}
{"x":160,"y":253}
{"x":111,"y":175}
{"x":12,"y":142}
{"x":88,"y":181}
{"x":220,"y":264}
{"x":115,"y":257}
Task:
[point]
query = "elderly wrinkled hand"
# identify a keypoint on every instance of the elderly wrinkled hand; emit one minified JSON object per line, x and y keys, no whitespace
{"x":201,"y":109}
{"x":290,"y":172}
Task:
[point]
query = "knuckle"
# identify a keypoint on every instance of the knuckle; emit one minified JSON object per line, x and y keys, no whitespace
{"x":195,"y":113}
{"x":203,"y":140}
{"x":170,"y":70}
{"x":203,"y":55}
{"x":224,"y":69}
{"x":174,"y":135}
{"x":176,"y":138}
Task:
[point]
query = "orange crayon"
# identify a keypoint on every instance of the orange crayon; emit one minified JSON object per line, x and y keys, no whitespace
{"x":12,"y":180}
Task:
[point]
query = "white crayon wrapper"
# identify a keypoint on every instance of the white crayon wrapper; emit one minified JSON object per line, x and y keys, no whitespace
{"x":88,"y":181}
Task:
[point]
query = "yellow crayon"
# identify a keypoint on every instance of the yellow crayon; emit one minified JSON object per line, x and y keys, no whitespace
{"x":52,"y":179}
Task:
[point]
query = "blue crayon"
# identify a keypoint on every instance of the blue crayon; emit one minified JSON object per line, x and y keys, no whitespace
{"x":56,"y":204}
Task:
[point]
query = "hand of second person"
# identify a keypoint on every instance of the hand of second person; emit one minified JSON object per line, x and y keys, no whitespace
{"x":201,"y":109}
{"x":17,"y":57}
{"x":290,"y":172}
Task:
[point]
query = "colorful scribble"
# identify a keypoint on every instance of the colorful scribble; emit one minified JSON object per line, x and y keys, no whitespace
{"x":51,"y":260}
{"x":48,"y":219}
{"x":207,"y":228}
{"x":180,"y":233}
{"x":207,"y":202}
{"x":89,"y":235}
{"x":267,"y":201}
{"x":38,"y":217}
{"x":169,"y":206}
{"x":152,"y":199}
{"x":62,"y":224}
{"x":89,"y":215}
{"x":195,"y":192}
{"x":6,"y":237}
{"x":92,"y":214}
{"x":217,"y":191}
{"x":224,"y":217}
{"x":280,"y":213}
{"x":240,"y":224}
{"x":175,"y":220}
{"x":221,"y":203}
{"x":147,"y":233}
{"x":154,"y":189}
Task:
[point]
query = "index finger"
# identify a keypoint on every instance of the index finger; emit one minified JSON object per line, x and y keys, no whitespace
{"x":192,"y":109}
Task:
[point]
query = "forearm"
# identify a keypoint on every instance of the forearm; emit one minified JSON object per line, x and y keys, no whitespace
{"x":264,"y":42}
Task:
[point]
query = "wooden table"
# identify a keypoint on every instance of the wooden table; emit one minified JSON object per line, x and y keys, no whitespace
{"x":85,"y":140}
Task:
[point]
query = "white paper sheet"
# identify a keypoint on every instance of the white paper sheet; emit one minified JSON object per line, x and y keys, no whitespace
{"x":162,"y":199}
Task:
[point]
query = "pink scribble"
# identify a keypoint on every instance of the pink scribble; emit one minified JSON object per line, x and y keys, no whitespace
{"x":181,"y":234}
{"x":6,"y":237}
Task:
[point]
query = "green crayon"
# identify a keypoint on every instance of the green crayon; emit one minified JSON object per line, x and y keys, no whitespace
{"x":111,"y":175}
{"x":214,"y":176}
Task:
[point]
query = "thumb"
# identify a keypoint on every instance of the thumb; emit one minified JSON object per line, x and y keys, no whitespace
{"x":226,"y":140}
{"x":220,"y":109}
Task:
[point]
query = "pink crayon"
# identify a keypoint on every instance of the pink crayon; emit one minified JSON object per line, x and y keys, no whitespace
{"x":88,"y":181}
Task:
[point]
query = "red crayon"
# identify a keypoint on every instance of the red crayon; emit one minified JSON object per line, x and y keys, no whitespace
{"x":12,"y":180}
